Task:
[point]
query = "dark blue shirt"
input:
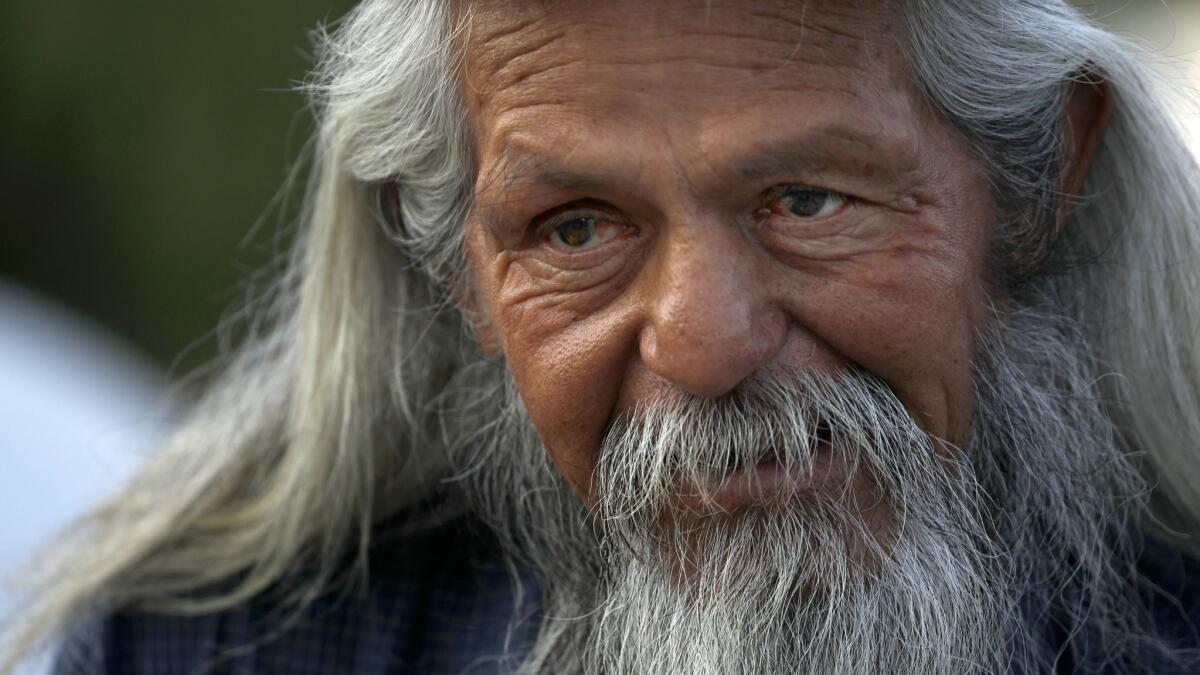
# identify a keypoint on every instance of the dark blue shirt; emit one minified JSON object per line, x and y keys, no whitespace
{"x":443,"y":601}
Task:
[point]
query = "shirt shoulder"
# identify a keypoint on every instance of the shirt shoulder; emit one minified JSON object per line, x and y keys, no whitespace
{"x":1171,"y":587}
{"x":1168,"y":597}
{"x":442,"y":601}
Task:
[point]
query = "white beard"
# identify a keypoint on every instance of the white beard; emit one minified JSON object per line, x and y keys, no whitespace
{"x":776,"y":597}
{"x":1026,"y":516}
{"x":801,"y":582}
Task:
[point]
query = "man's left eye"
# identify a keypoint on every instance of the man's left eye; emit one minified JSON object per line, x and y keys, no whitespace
{"x":807,"y":202}
{"x":579,"y":230}
{"x":575,"y":233}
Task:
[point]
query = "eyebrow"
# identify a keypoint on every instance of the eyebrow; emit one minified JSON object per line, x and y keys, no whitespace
{"x":833,"y":149}
{"x":837,"y":149}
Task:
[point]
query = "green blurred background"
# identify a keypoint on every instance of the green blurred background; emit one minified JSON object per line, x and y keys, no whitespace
{"x":142,"y":141}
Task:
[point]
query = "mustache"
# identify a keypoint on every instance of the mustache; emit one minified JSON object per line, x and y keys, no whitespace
{"x":683,"y":441}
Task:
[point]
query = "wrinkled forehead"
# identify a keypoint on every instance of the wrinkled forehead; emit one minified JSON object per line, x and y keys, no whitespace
{"x":561,"y":70}
{"x":524,"y":42}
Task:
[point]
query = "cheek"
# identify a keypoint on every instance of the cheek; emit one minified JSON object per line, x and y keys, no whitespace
{"x":568,"y":368}
{"x":566,"y":338}
{"x":913,"y":329}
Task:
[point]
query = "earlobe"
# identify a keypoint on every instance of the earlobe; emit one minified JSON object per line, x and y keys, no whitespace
{"x":1087,"y":115}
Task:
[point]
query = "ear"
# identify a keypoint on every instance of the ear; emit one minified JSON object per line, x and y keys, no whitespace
{"x":1086,"y":118}
{"x":463,"y":292}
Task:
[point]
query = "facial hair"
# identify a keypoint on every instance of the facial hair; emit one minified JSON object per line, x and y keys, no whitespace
{"x":982,"y":547}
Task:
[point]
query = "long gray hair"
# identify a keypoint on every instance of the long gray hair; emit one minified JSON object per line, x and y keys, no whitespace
{"x":331,"y":414}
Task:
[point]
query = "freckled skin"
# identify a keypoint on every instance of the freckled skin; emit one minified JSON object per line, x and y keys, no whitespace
{"x":669,"y":108}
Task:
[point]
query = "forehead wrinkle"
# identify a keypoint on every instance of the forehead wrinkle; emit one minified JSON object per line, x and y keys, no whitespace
{"x":551,"y":109}
{"x":501,"y":40}
{"x":810,"y":35}
{"x":536,"y":46}
{"x":501,"y":70}
{"x":814,"y":17}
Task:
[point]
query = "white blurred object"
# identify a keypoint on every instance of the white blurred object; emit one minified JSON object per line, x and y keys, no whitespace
{"x":1189,"y":117}
{"x":1171,"y":28}
{"x":78,"y":412}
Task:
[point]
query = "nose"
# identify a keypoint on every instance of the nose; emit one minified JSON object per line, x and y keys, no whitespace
{"x":711,"y":321}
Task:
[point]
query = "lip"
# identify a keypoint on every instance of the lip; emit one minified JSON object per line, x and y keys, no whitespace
{"x":769,"y":479}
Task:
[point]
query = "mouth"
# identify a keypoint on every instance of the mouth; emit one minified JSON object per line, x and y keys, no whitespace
{"x":772,"y":476}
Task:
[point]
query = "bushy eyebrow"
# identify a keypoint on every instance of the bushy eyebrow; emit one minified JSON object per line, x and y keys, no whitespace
{"x":883,"y":156}
{"x":838,"y":150}
{"x":532,"y":168}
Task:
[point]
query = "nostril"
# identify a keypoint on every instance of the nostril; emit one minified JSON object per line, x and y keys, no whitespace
{"x":823,"y":434}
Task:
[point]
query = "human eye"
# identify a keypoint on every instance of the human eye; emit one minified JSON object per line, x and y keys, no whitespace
{"x":578,"y":230}
{"x":804,"y":202}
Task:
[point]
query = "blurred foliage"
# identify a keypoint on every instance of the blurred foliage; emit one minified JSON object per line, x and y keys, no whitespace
{"x":140,"y":143}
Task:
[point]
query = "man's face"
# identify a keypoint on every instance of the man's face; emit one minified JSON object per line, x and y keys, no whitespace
{"x":675,"y":196}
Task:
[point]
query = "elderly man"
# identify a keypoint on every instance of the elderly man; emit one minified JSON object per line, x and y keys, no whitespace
{"x":693,"y":337}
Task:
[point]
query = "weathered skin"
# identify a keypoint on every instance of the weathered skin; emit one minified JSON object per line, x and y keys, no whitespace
{"x":675,"y":122}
